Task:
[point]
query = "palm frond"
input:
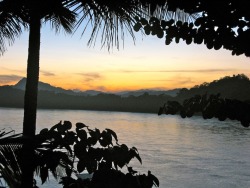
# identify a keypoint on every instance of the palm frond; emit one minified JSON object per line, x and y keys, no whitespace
{"x":46,"y":158}
{"x":11,"y":23}
{"x":10,"y":28}
{"x":113,"y":19}
{"x":60,"y":16}
{"x":108,"y":17}
{"x":9,"y":165}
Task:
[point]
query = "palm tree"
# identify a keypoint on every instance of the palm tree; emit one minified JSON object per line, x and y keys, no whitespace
{"x":18,"y":15}
{"x":109,"y":17}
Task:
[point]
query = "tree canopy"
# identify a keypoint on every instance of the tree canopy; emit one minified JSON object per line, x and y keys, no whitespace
{"x":219,"y":24}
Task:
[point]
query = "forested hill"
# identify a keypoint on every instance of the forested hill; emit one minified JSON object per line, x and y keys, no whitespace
{"x":11,"y":97}
{"x":234,"y":87}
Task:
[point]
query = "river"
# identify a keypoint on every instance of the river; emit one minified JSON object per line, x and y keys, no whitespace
{"x":182,"y":153}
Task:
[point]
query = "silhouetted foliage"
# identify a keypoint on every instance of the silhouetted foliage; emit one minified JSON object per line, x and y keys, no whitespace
{"x":223,"y":23}
{"x":84,"y":150}
{"x":99,"y":153}
{"x":210,"y":106}
{"x":46,"y":157}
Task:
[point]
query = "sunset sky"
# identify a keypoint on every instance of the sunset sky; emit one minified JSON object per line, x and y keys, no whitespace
{"x":67,"y":62}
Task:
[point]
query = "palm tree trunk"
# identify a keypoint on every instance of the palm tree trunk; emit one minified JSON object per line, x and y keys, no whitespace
{"x":30,"y":101}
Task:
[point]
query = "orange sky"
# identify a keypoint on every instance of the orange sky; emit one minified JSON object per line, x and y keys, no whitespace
{"x":67,"y":62}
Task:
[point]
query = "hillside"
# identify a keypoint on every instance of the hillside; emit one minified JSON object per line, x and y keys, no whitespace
{"x":43,"y":87}
{"x":137,"y":93}
{"x":11,"y":97}
{"x":234,"y":87}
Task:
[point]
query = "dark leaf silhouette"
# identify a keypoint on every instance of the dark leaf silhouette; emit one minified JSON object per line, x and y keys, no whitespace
{"x":80,"y":125}
{"x":155,"y":179}
{"x":113,"y":134}
{"x":44,"y":174}
{"x":81,"y":165}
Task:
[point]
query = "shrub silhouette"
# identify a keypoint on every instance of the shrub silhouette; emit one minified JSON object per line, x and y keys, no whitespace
{"x":210,"y":106}
{"x":85,"y":150}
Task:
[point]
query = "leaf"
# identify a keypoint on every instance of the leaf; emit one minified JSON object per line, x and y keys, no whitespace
{"x":55,"y":126}
{"x":147,"y":29}
{"x":82,"y":134}
{"x":154,"y":179}
{"x":81,"y":165}
{"x":80,"y":149}
{"x":103,"y":142}
{"x":91,"y":166}
{"x":67,"y":125}
{"x":80,"y":125}
{"x":91,"y":141}
{"x":124,"y":147}
{"x":68,"y":172}
{"x":44,"y":174}
{"x":121,"y":163}
{"x":136,"y":154}
{"x":137,"y":26}
{"x":138,"y":157}
{"x":131,"y":170}
{"x":70,"y":138}
{"x":44,"y":131}
{"x":143,"y":21}
{"x":113,"y":134}
{"x":106,"y":138}
{"x":97,"y":133}
{"x":160,"y":34}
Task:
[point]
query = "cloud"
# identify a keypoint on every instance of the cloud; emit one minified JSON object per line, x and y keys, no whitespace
{"x":6,"y":79}
{"x":89,"y":77}
{"x":46,"y":73}
{"x":21,"y":71}
{"x":180,"y":71}
{"x":101,"y":88}
{"x":184,"y":81}
{"x":177,"y":81}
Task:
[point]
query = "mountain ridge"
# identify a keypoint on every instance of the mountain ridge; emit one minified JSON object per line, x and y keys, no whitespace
{"x":42,"y":86}
{"x":235,"y":87}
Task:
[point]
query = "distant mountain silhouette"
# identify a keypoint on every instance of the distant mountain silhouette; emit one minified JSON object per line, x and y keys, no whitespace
{"x":47,"y":87}
{"x":137,"y":93}
{"x":50,"y":97}
{"x":43,"y":87}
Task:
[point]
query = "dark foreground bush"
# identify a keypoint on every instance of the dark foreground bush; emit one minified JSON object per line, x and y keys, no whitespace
{"x":86,"y":151}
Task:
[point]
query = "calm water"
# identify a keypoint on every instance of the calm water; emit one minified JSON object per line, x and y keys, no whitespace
{"x":182,"y":153}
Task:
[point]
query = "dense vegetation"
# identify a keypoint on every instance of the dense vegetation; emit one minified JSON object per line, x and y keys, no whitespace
{"x":210,"y":106}
{"x":72,"y":150}
{"x":10,"y":97}
{"x":234,"y":87}
{"x":227,"y":98}
{"x":220,"y":24}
